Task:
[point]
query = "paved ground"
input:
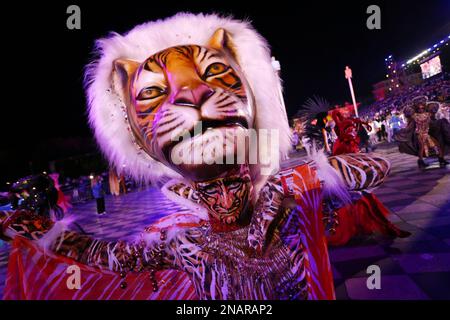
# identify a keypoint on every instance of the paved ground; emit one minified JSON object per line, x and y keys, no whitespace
{"x":126,"y":217}
{"x":417,"y":267}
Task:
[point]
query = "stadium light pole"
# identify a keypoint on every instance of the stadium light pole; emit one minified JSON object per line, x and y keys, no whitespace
{"x":348,"y":76}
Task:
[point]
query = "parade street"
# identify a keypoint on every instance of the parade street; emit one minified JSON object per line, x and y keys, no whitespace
{"x":417,"y":267}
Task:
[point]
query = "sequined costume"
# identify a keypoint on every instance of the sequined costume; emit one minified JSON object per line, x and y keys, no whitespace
{"x":243,"y":262}
{"x":422,"y":127}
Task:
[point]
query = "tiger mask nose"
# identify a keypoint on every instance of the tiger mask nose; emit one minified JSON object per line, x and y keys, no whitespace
{"x":192,"y":96}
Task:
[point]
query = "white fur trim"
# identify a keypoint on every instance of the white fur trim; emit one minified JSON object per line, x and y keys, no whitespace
{"x":50,"y":237}
{"x":105,"y":113}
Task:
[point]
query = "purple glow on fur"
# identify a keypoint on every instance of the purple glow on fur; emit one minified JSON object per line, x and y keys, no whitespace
{"x":106,"y":116}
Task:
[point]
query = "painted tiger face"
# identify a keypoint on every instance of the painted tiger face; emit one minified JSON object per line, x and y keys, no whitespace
{"x":226,"y":198}
{"x":187,"y":105}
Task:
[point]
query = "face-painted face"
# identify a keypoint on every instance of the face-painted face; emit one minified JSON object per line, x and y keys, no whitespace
{"x":186,"y":106}
{"x":421,"y":108}
{"x":226,"y":199}
{"x":433,"y":107}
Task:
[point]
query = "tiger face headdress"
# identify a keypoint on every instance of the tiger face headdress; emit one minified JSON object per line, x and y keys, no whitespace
{"x":151,"y":88}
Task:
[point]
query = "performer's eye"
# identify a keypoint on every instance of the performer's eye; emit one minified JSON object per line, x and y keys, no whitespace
{"x":209,"y":190}
{"x":234,"y":184}
{"x":150,"y":93}
{"x":215,"y":69}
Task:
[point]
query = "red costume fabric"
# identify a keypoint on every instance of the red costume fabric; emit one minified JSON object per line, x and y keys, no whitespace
{"x":63,"y":201}
{"x":37,"y":275}
{"x":363,"y":217}
{"x":346,"y":130}
{"x":348,"y":140}
{"x":319,"y":274}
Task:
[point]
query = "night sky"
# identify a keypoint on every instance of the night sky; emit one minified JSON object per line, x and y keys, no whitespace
{"x":313,"y":41}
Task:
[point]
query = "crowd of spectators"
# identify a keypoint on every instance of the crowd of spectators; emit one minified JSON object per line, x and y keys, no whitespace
{"x":386,"y":117}
{"x":434,"y":89}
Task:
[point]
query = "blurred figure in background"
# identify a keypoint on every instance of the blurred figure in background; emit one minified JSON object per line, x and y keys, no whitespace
{"x":377,"y":127}
{"x":75,"y":191}
{"x":439,"y":130}
{"x":123,"y":184}
{"x":422,"y":120}
{"x":389,"y":131}
{"x":395,"y":123}
{"x":364,"y":137}
{"x":114,"y":186}
{"x":98,"y":193}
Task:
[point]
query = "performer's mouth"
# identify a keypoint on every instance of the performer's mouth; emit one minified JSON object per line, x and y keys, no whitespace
{"x":225,"y":211}
{"x":203,"y":126}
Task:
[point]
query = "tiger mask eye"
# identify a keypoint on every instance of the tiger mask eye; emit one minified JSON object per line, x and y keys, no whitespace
{"x":215,"y":69}
{"x":150,"y":93}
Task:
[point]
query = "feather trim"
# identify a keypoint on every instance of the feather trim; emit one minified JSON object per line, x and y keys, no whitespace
{"x":48,"y":240}
{"x":333,"y":184}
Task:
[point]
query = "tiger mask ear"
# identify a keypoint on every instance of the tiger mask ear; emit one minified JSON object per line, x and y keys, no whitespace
{"x":221,"y":40}
{"x":124,"y":70}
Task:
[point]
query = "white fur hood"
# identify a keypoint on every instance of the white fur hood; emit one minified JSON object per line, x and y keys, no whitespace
{"x":105,"y":107}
